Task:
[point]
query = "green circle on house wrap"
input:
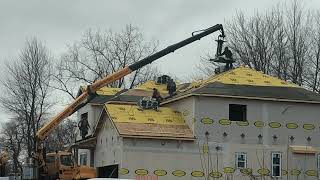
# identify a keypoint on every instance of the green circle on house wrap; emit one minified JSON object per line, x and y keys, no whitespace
{"x":264,"y":171}
{"x":225,"y":122}
{"x":275,"y":125}
{"x":216,"y":174}
{"x":185,"y":112}
{"x":242,"y":123}
{"x":123,"y":171}
{"x":311,"y":172}
{"x":259,"y":124}
{"x":295,"y":172}
{"x":179,"y":173}
{"x":207,"y":120}
{"x":309,"y":127}
{"x":160,"y":172}
{"x":197,"y":174}
{"x":246,"y":171}
{"x":228,"y":170}
{"x":141,"y":172}
{"x":292,"y":125}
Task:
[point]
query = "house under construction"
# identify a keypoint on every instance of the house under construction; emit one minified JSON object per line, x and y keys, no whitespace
{"x":239,"y":124}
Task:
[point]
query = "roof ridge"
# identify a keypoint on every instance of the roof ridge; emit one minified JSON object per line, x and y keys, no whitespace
{"x":243,"y":76}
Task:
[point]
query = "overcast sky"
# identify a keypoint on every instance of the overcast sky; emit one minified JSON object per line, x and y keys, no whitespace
{"x":58,"y":23}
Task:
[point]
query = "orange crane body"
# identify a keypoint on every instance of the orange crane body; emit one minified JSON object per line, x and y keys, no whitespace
{"x":81,"y":100}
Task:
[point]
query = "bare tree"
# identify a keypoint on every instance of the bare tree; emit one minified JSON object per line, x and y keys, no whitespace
{"x":12,"y":138}
{"x":282,"y":41}
{"x":280,"y":60}
{"x":298,"y":34}
{"x":27,"y":89}
{"x":252,"y":39}
{"x":62,"y":137}
{"x":101,"y":53}
{"x":313,"y":57}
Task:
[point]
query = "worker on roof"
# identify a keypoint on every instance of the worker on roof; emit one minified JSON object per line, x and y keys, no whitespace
{"x":171,"y":87}
{"x":83,"y":126}
{"x":228,"y":54}
{"x":156,"y":95}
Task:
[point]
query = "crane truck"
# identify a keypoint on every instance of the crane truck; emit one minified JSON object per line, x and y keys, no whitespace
{"x":60,"y":165}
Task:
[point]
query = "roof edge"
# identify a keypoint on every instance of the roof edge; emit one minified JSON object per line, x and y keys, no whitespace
{"x":158,"y":137}
{"x":177,"y":98}
{"x":120,"y":102}
{"x":258,"y":98}
{"x":240,"y":97}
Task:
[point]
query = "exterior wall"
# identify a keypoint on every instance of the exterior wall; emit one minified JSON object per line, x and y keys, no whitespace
{"x":109,"y":145}
{"x":187,"y":108}
{"x":259,"y":151}
{"x":265,"y":111}
{"x":93,"y":117}
{"x":165,"y":155}
{"x":170,"y":155}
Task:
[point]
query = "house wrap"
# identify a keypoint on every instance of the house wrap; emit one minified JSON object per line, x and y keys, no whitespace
{"x":240,"y":124}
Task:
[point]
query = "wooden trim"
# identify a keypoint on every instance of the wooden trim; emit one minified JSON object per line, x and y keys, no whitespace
{"x":96,"y":104}
{"x":158,"y":137}
{"x":120,"y":102}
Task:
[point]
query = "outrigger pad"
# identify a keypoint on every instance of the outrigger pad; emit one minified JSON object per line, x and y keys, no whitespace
{"x":221,"y":59}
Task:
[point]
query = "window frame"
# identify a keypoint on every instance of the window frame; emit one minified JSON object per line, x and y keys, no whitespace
{"x":237,"y":159}
{"x":318,"y":165}
{"x":244,"y":113}
{"x":280,"y":163}
{"x":84,"y":154}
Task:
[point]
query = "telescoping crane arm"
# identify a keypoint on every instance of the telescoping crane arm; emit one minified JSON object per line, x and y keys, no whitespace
{"x":69,"y":110}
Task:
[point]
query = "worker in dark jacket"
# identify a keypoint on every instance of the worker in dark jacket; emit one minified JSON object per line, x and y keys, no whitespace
{"x":228,"y":54}
{"x":84,"y":127}
{"x":156,"y":95}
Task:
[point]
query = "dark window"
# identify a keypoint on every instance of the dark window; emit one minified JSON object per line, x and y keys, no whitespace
{"x":241,"y":160}
{"x":276,"y":164}
{"x":237,"y":112}
{"x":50,"y":159}
{"x":66,"y":160}
{"x":83,"y":159}
{"x":108,"y":171}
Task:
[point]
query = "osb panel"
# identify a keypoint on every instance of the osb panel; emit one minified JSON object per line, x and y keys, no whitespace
{"x":242,"y":76}
{"x":133,"y":114}
{"x":154,"y":130}
{"x":138,"y":92}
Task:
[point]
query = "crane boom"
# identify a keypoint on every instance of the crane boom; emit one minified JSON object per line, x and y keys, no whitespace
{"x":69,"y":110}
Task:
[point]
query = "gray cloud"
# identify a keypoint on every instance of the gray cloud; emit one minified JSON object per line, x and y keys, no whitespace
{"x":58,"y":23}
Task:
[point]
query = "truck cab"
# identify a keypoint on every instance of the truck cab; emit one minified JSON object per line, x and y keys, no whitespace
{"x":61,"y":165}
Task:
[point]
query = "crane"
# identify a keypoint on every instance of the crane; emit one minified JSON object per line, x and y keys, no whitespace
{"x":89,"y":93}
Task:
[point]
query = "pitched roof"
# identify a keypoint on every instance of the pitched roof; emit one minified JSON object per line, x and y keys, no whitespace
{"x":105,"y":91}
{"x":244,"y":82}
{"x":149,"y":85}
{"x":106,"y":94}
{"x":131,"y":121}
{"x":248,"y":76}
{"x":259,"y":92}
